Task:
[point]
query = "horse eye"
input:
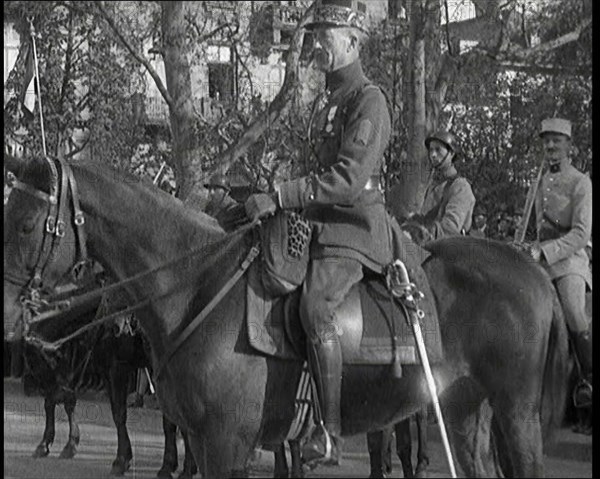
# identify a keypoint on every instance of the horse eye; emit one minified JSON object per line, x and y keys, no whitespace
{"x":27,"y":227}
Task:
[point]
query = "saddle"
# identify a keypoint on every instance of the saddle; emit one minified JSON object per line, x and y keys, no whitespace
{"x":370,"y":319}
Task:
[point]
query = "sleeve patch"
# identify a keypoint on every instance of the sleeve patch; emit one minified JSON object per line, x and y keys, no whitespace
{"x":363,"y":133}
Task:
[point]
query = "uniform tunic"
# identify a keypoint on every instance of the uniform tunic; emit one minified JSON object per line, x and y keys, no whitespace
{"x":448,"y":210}
{"x":563,"y":207}
{"x":341,"y":197}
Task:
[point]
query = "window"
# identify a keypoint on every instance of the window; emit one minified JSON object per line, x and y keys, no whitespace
{"x":220,"y":81}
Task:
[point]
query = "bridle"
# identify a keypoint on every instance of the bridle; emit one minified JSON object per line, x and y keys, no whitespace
{"x":54,"y":231}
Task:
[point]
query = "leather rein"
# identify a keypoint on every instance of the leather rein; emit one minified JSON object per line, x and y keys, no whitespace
{"x":31,"y":299}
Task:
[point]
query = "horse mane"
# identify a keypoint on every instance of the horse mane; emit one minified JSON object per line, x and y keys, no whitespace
{"x":460,"y":249}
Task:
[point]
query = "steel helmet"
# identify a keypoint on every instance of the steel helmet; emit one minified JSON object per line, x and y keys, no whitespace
{"x":445,"y":137}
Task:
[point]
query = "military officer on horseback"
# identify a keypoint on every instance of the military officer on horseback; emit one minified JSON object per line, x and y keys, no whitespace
{"x":343,"y":200}
{"x":563,"y":207}
{"x":449,"y":201}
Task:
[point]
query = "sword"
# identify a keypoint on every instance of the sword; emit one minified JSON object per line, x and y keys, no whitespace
{"x":405,"y":291}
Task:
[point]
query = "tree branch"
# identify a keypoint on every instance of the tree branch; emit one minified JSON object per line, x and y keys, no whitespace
{"x":285,"y":94}
{"x":159,"y":84}
{"x":521,"y":54}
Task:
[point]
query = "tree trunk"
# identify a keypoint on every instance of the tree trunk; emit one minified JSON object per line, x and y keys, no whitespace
{"x":407,"y":195}
{"x":182,"y":119}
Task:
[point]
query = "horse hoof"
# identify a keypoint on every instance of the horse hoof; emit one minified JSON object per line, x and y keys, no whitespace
{"x":41,"y":451}
{"x":186,"y":475}
{"x":421,"y":472}
{"x":119,"y":467}
{"x":68,"y":452}
{"x":164,"y":473}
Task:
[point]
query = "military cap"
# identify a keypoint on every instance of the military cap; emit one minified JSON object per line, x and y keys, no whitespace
{"x":556,"y":125}
{"x":339,"y":13}
{"x":445,"y":137}
{"x":217,"y":180}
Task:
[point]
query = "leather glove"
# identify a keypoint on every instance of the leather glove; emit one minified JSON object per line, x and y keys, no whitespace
{"x":261,"y":205}
{"x":417,"y":232}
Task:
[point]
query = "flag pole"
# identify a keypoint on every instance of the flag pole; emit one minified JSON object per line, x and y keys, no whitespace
{"x":37,"y":81}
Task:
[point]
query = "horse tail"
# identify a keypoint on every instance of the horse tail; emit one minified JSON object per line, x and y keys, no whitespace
{"x":556,"y":373}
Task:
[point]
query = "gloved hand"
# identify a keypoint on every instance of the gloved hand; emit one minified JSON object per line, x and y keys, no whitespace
{"x":260,"y":205}
{"x":532,"y":250}
{"x":417,"y":232}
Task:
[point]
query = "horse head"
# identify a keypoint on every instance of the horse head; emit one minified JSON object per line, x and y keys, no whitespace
{"x":36,"y":236}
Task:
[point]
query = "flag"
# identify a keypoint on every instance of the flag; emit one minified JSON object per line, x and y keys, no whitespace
{"x":28,"y":90}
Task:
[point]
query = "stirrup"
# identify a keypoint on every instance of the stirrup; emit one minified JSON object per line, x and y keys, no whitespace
{"x":583,"y":387}
{"x":319,"y":432}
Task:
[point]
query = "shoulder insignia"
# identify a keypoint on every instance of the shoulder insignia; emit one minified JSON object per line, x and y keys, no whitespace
{"x":363,"y":133}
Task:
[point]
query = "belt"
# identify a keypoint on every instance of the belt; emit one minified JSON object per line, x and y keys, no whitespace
{"x":373,"y":184}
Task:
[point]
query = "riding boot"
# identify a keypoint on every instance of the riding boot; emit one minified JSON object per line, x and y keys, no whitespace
{"x":325,"y":360}
{"x":582,"y":395}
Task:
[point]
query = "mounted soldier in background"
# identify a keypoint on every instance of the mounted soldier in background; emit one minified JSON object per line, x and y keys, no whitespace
{"x":563,"y":206}
{"x":449,"y":201}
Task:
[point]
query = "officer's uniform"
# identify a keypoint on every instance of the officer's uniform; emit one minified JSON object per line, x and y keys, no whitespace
{"x":563,"y":207}
{"x":343,"y":200}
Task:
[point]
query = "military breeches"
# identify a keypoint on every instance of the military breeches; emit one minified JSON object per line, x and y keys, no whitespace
{"x":328,"y":280}
{"x":571,"y":291}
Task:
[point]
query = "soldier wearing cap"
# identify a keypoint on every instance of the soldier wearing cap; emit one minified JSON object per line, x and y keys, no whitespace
{"x":449,"y":201}
{"x":563,"y":207}
{"x":343,"y":199}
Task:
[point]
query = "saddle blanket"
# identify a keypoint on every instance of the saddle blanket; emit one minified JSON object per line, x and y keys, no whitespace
{"x":368,"y":317}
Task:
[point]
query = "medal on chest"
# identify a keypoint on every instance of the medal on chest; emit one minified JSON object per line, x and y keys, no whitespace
{"x":330,"y":118}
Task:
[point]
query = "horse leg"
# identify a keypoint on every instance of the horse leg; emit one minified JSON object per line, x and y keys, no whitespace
{"x":117,"y":389}
{"x":468,"y":421}
{"x":170,"y":462}
{"x":71,"y":447}
{"x":380,"y":454}
{"x":521,"y":435}
{"x":296,"y":453}
{"x":404,"y":446}
{"x":43,"y":448}
{"x":189,"y":464}
{"x":281,"y":466}
{"x":220,"y":452}
{"x":422,"y":456}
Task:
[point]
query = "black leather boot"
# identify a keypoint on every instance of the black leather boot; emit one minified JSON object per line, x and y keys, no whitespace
{"x":323,"y":447}
{"x":582,"y":395}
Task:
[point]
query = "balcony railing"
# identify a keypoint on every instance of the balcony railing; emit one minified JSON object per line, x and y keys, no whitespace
{"x":156,"y":111}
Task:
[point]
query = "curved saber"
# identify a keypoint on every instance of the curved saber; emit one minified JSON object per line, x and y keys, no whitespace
{"x":416,"y":327}
{"x":414,"y":321}
{"x":407,"y":291}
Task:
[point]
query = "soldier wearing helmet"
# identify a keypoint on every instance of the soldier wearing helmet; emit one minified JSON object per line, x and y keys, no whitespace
{"x":449,"y":201}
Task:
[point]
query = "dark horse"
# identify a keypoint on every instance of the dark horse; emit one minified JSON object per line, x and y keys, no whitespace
{"x":102,"y":358}
{"x":502,"y":329}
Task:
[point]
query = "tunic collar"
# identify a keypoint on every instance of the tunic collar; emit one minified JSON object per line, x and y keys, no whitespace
{"x":344,"y":78}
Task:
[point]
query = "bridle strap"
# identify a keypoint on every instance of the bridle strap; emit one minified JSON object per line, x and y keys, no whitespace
{"x":50,"y":231}
{"x":78,"y":217}
{"x":190,"y":328}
